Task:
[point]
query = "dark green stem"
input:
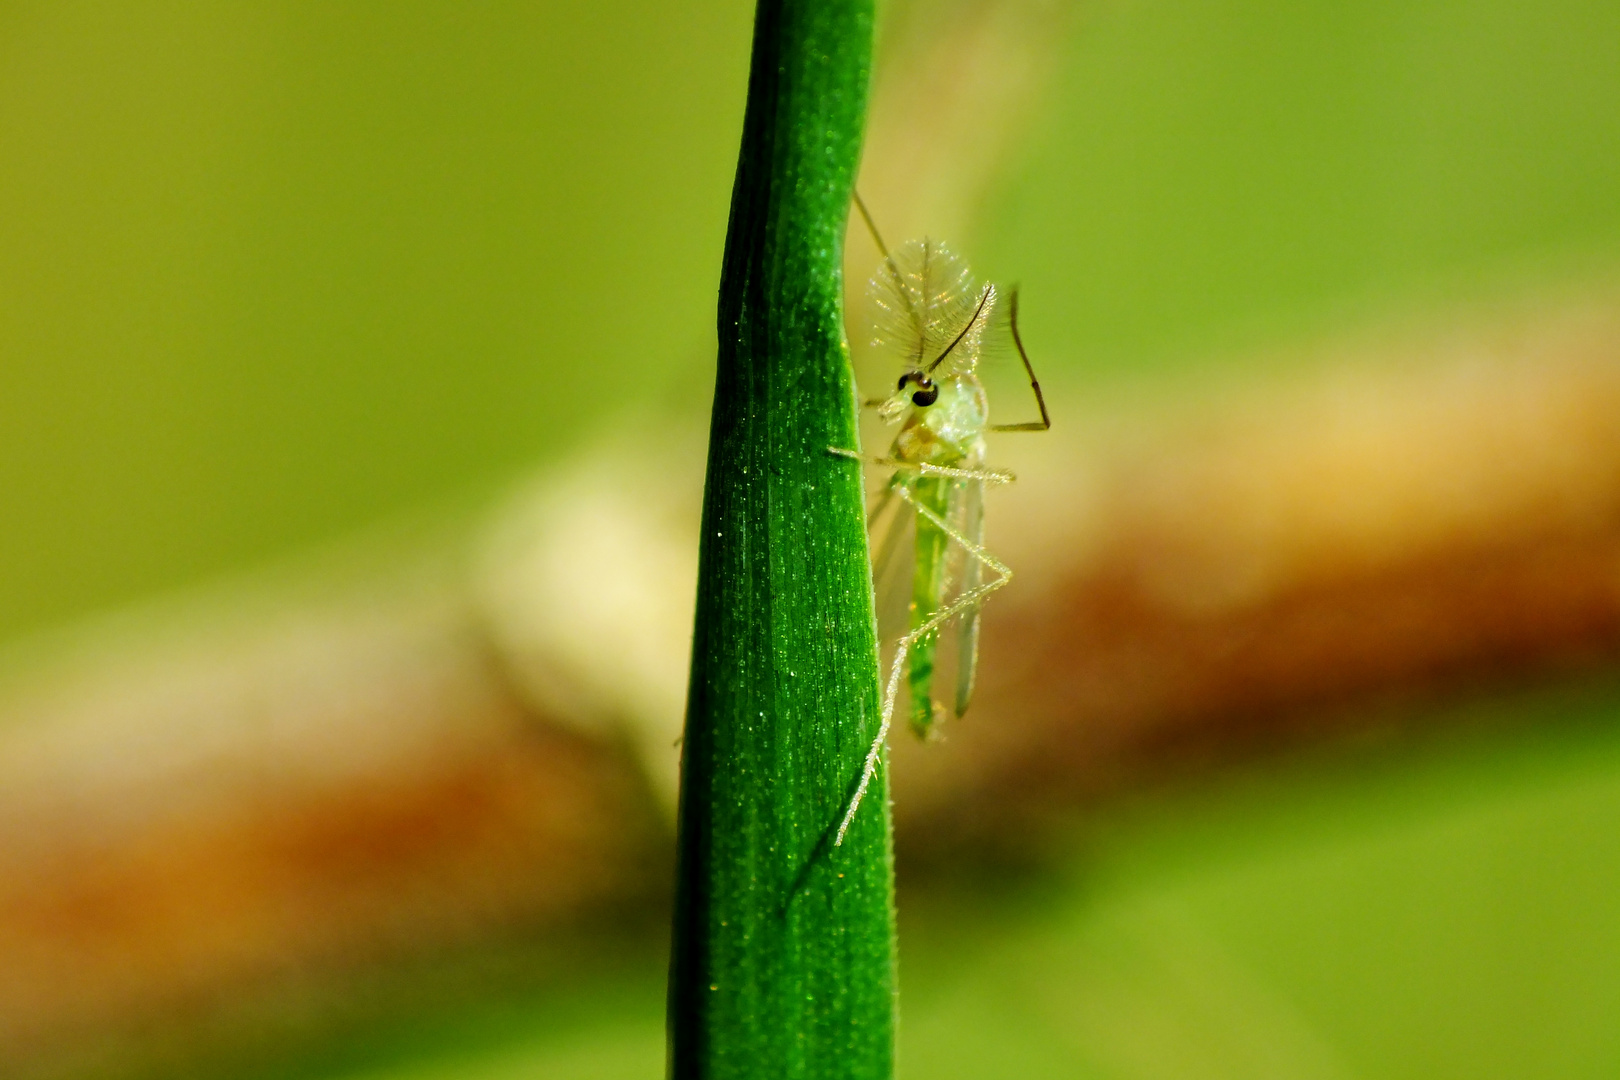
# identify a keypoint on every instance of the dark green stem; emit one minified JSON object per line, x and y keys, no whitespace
{"x":783,"y":961}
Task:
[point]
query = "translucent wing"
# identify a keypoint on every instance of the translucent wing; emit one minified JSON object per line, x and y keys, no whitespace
{"x":892,"y":527}
{"x":967,"y":513}
{"x":924,"y":298}
{"x":887,"y":526}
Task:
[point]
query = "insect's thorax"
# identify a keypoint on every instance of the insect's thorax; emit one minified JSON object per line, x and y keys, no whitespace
{"x":950,"y":432}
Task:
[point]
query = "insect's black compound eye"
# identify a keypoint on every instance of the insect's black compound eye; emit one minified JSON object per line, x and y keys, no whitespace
{"x":906,"y":378}
{"x":926,"y":393}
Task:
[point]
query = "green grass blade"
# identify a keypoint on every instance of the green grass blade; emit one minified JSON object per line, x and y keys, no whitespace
{"x":783,"y":954}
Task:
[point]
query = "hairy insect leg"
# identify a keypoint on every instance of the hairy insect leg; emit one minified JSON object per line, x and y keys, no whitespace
{"x":891,"y":691}
{"x":1045,"y":422}
{"x":989,"y":476}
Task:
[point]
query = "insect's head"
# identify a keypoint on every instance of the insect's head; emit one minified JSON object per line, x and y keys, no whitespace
{"x":915,"y":388}
{"x":925,"y":394}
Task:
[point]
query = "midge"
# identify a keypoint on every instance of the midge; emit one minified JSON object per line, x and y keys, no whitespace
{"x":940,"y":322}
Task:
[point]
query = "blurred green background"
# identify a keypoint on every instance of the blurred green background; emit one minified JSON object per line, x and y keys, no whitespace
{"x":272,"y":273}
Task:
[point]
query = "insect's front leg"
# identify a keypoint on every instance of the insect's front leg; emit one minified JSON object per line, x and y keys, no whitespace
{"x":923,"y":468}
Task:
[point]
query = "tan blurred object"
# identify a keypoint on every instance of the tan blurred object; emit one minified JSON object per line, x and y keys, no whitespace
{"x":191,"y":805}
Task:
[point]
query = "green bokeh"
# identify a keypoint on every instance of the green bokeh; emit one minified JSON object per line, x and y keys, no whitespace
{"x":1216,"y":175}
{"x":1383,"y":910}
{"x":270,"y":272}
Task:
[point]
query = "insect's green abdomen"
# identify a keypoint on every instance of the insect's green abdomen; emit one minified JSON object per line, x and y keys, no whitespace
{"x":927,"y":594}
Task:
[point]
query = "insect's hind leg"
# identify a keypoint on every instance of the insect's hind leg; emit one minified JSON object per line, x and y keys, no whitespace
{"x":891,"y":691}
{"x":976,"y":550}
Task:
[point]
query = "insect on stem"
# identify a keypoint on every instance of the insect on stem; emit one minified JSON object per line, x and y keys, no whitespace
{"x":928,"y":303}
